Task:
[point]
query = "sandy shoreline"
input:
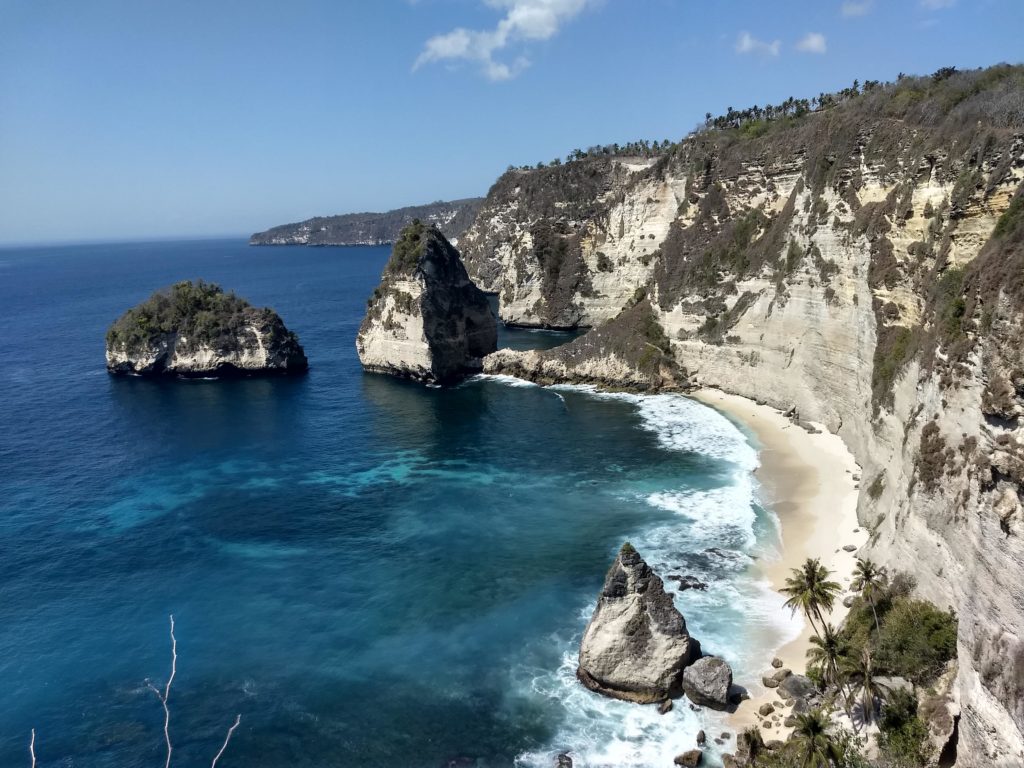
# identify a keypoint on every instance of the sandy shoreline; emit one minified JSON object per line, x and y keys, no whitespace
{"x":809,"y":480}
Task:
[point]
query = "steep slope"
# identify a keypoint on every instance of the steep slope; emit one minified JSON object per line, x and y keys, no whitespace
{"x":452,"y":218}
{"x":862,"y":261}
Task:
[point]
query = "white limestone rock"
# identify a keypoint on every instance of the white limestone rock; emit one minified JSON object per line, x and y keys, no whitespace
{"x":636,"y":645}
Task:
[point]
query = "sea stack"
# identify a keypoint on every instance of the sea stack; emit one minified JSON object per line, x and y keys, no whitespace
{"x":426,"y":320}
{"x":195,"y":329}
{"x":636,"y":645}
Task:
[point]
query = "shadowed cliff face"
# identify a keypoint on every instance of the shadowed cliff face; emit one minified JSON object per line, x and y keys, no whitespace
{"x":426,"y":320}
{"x":862,"y":262}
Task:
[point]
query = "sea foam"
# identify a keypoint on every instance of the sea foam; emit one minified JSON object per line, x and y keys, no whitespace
{"x":720,"y":532}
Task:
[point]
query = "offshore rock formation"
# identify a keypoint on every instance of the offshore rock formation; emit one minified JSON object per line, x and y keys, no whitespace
{"x":426,"y":320}
{"x":636,"y":644}
{"x":198,"y":330}
{"x":452,"y":218}
{"x":862,"y":262}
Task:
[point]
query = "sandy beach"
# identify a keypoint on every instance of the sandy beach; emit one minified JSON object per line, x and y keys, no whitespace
{"x":811,"y":482}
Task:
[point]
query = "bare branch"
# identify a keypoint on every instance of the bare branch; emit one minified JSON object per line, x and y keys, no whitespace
{"x":231,"y":730}
{"x":167,"y":693}
{"x":32,"y":748}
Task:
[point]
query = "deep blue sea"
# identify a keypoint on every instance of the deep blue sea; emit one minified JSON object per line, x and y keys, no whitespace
{"x":370,"y":572}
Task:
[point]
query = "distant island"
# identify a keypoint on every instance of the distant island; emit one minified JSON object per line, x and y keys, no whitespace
{"x":451,"y":218}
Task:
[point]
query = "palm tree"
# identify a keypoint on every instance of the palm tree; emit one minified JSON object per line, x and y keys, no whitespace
{"x":814,"y":747}
{"x":824,"y":652}
{"x":809,"y":591}
{"x":860,"y":674}
{"x":868,"y":579}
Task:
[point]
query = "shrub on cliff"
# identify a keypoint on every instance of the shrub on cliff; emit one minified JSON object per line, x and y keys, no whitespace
{"x":915,"y":639}
{"x":903,"y":736}
{"x":408,"y":248}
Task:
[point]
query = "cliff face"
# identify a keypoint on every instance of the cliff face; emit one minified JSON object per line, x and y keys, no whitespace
{"x":866,"y":264}
{"x":452,"y":218}
{"x":426,"y":320}
{"x":195,"y":329}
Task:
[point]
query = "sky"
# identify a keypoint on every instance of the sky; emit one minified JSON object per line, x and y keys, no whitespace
{"x":135,"y":119}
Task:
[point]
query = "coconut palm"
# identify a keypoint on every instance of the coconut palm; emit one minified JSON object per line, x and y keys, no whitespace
{"x":825,"y":652}
{"x":809,"y":591}
{"x":813,"y":745}
{"x":869,"y":579}
{"x":860,"y":675}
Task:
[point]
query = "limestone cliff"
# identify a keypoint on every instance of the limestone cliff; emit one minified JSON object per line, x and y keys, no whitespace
{"x":426,"y":320}
{"x":636,"y":645}
{"x":196,"y":329}
{"x":863,"y":261}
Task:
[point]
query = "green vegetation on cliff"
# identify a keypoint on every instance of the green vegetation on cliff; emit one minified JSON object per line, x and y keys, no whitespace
{"x":199,"y":311}
{"x":408,"y":248}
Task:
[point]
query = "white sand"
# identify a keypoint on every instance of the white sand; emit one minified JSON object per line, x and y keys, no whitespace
{"x":809,"y":482}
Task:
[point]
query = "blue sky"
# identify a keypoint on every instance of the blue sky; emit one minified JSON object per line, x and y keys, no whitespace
{"x":128,"y":119}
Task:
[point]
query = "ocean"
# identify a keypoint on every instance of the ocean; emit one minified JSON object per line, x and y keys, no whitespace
{"x":370,"y":572}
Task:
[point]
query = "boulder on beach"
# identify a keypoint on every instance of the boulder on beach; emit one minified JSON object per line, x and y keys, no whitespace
{"x":772,"y":679}
{"x":690,"y":759}
{"x":636,"y":645}
{"x":707,"y":682}
{"x":797,"y":687}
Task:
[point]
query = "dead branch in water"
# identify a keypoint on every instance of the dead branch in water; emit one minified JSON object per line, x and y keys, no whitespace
{"x":163,"y":696}
{"x":166,"y":694}
{"x":231,"y":730}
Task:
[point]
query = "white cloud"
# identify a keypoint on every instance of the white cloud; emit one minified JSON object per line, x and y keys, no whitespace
{"x":852,"y":8}
{"x":747,"y":43}
{"x":524,"y":21}
{"x":813,"y":42}
{"x":937,"y":5}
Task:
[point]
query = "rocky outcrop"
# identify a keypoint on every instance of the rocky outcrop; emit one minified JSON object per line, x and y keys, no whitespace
{"x":630,"y":351}
{"x":426,"y":320}
{"x":452,"y":218}
{"x":636,"y":645}
{"x":198,"y":330}
{"x":690,"y":759}
{"x":707,"y":682}
{"x":861,"y":262}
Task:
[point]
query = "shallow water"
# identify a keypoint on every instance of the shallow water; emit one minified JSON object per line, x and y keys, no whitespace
{"x":372,"y":573}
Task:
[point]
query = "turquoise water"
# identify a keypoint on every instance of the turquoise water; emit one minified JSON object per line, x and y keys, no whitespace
{"x":369,"y":572}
